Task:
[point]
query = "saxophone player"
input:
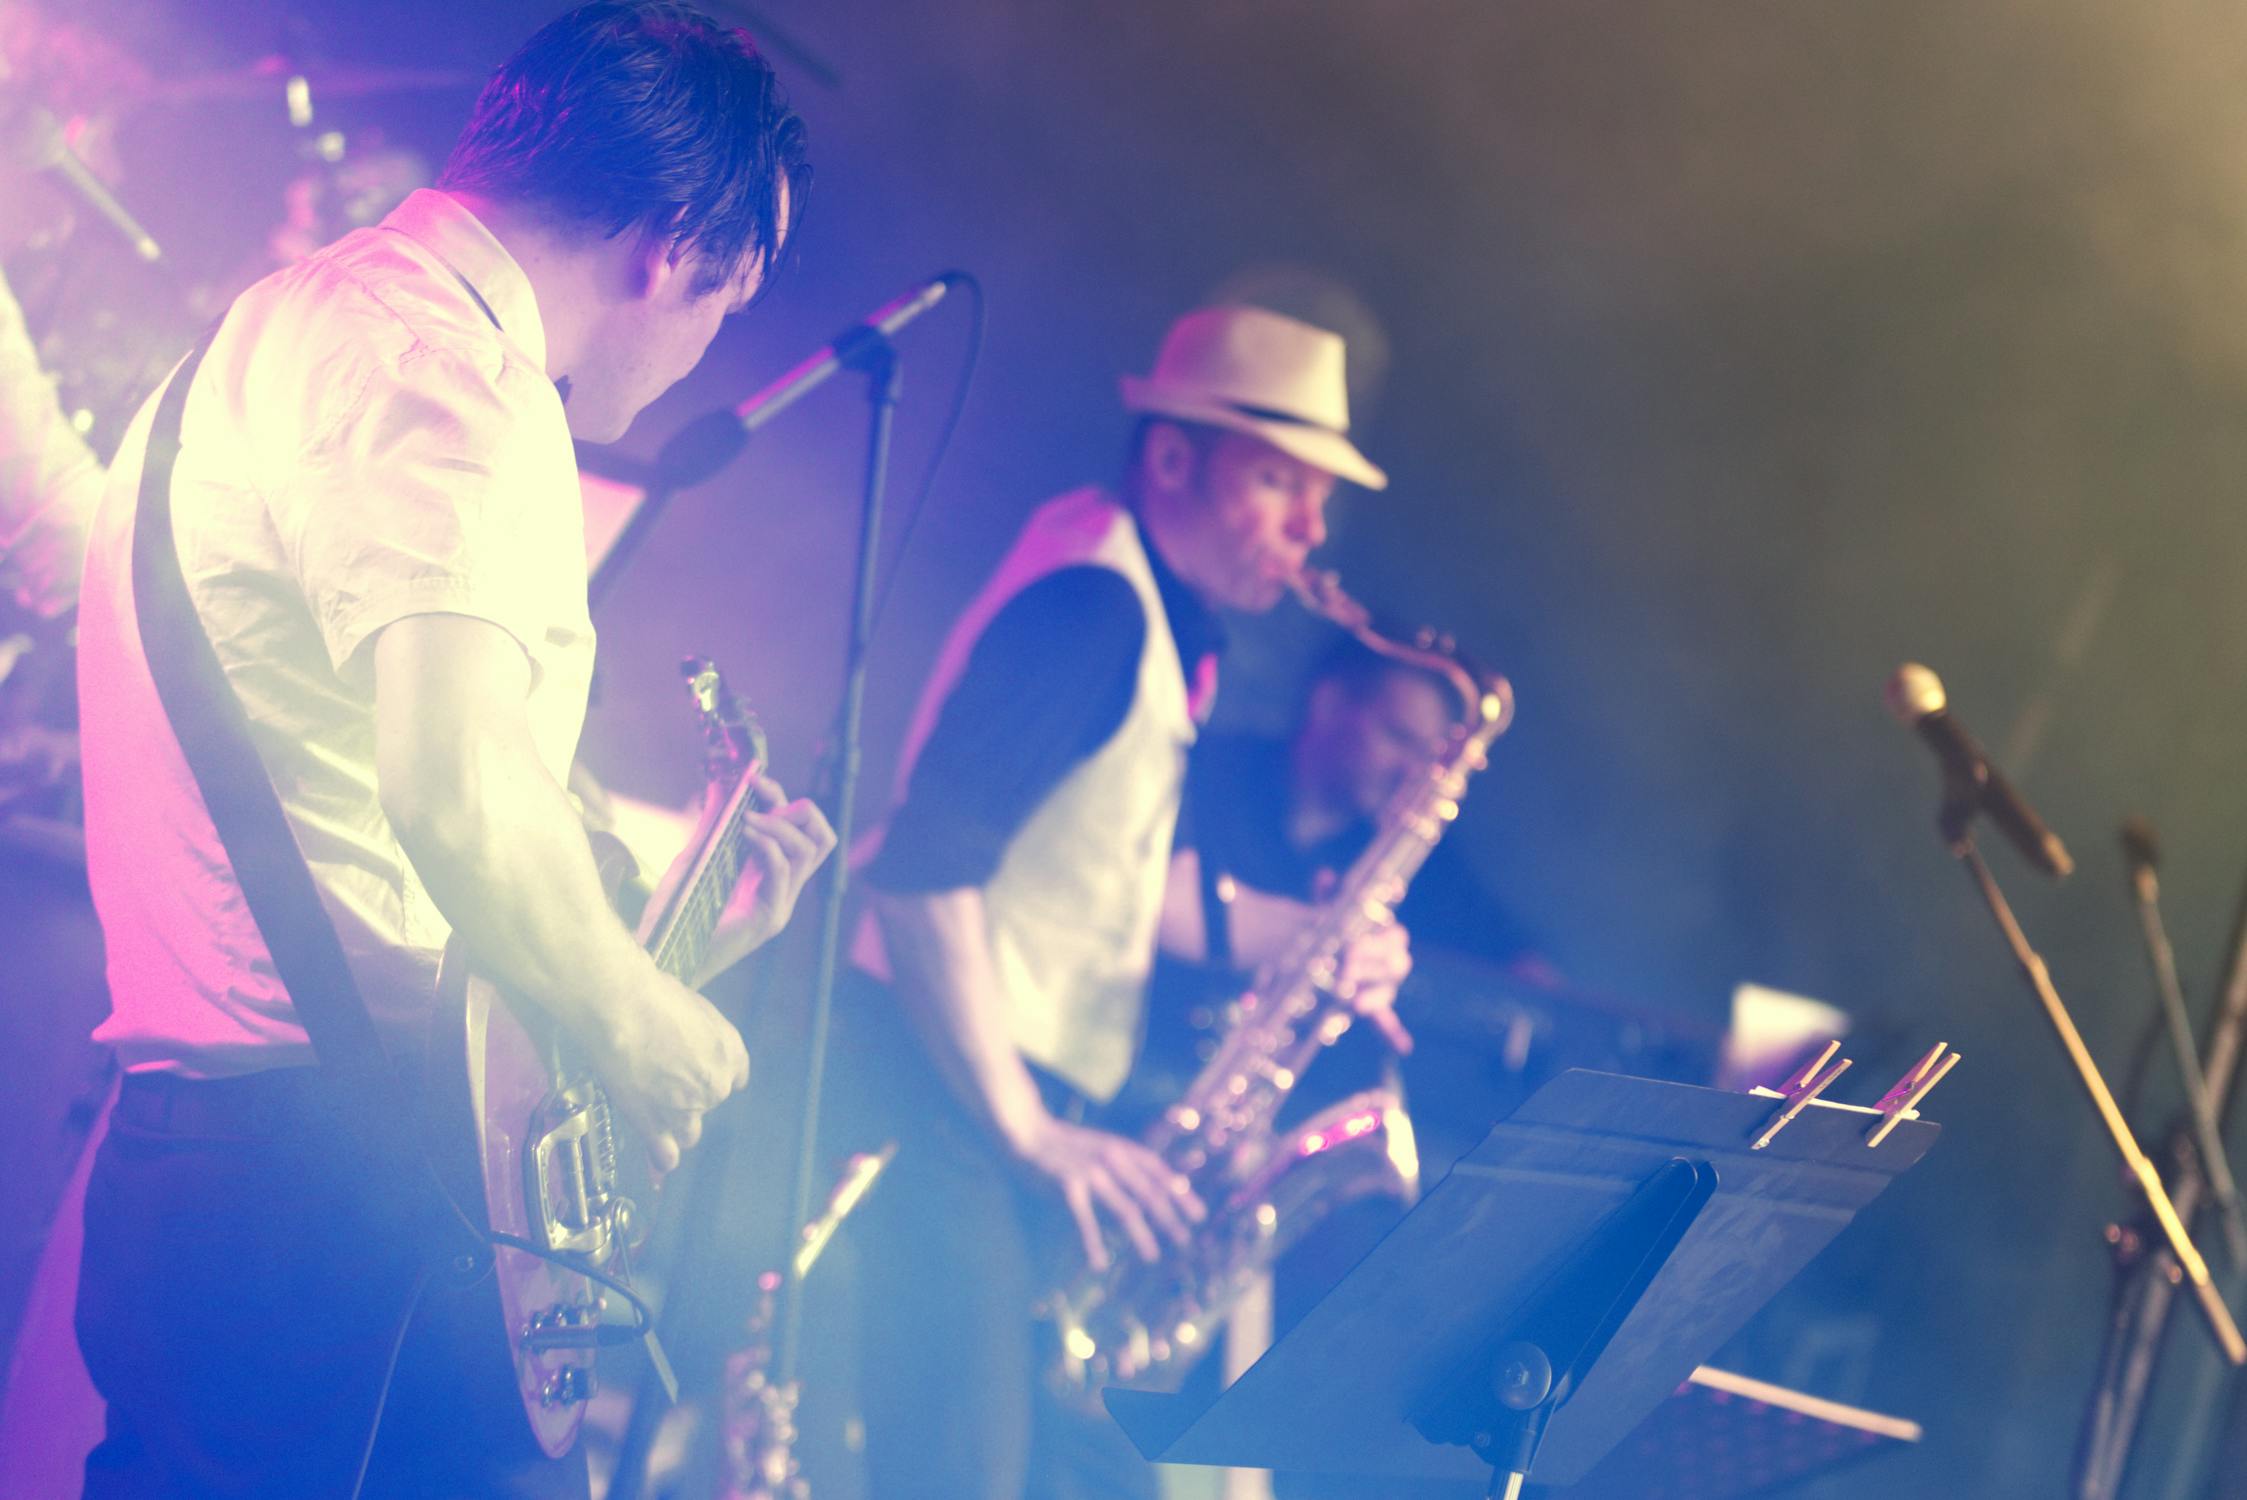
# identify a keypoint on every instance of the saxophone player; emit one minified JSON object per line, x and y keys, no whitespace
{"x":1024,"y":881}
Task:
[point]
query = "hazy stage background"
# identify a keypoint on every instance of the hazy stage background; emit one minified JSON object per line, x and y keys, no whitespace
{"x":1737,"y":353}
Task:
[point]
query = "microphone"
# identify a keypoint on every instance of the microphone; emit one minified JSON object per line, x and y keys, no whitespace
{"x":2141,"y":852}
{"x":1915,"y":696}
{"x":709,"y":442}
{"x":32,"y":138}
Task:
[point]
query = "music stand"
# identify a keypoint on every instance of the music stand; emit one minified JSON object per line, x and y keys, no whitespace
{"x":1566,"y":1276}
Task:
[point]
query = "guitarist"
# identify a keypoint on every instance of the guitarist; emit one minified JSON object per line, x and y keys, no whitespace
{"x":376,"y":509}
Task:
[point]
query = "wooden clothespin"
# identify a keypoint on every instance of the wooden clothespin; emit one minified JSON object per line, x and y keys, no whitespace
{"x":1807,"y":1084}
{"x":1898,"y":1104}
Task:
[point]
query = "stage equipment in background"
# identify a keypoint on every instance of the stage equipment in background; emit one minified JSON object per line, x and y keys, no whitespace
{"x":296,"y":85}
{"x":757,"y":1413}
{"x":1721,"y":1435}
{"x":2146,"y":1271}
{"x":32,"y":140}
{"x":771,"y":37}
{"x":1545,"y":1298}
{"x":2141,"y":851}
{"x":697,"y":452}
{"x":1770,"y":1035}
{"x":1970,"y":786}
{"x":1138,"y":1320}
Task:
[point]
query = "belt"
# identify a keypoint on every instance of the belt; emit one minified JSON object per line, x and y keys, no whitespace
{"x":261,"y":1105}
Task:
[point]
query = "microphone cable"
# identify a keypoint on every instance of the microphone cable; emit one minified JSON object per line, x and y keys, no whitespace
{"x":389,"y":1373}
{"x":605,"y":1335}
{"x":945,"y":434}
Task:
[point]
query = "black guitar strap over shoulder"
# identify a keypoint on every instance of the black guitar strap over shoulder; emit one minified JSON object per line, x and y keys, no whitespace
{"x":213,"y":732}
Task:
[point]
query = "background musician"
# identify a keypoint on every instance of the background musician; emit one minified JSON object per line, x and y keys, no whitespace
{"x":1022,"y":885}
{"x":377,"y":509}
{"x":1291,"y":814}
{"x":49,"y":478}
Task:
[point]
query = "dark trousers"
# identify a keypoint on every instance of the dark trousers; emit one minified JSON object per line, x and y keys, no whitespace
{"x":246,"y":1271}
{"x":953,"y":1250}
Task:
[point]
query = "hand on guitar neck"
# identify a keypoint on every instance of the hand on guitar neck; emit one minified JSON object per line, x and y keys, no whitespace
{"x":660,"y":1071}
{"x":783,"y":844}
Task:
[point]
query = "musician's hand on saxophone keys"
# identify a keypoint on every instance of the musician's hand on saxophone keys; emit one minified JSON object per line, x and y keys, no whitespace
{"x":1371,"y":969}
{"x":1102,"y":1174}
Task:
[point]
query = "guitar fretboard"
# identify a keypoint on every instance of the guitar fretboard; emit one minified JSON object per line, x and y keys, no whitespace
{"x":682,"y":940}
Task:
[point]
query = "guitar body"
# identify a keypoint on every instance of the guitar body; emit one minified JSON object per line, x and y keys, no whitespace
{"x":548,"y":1168}
{"x":549,"y":1172}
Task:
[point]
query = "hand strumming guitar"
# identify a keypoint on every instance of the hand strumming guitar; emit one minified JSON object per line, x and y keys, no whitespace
{"x":666,"y":1056}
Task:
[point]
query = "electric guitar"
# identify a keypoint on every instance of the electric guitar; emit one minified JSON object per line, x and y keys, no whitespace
{"x":556,"y":1187}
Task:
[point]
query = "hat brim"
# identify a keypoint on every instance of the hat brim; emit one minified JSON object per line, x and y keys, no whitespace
{"x":1320,"y":447}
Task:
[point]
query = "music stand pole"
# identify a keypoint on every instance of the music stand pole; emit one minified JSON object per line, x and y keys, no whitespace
{"x":2140,"y":1167}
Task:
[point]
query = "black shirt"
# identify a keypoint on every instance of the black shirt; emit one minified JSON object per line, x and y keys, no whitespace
{"x":1237,"y":798}
{"x":1049,"y":681}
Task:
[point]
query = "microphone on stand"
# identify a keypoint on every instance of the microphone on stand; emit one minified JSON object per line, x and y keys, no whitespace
{"x":32,"y":138}
{"x":2141,"y":852}
{"x":1915,"y":696}
{"x":709,"y":442}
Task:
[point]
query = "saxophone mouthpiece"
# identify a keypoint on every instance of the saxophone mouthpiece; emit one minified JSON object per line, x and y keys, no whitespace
{"x":1319,"y":590}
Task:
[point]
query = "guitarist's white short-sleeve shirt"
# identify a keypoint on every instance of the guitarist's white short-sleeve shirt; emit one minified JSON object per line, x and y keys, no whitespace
{"x":372,"y":436}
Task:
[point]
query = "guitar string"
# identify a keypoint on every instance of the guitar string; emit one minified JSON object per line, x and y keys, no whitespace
{"x":695,"y":915}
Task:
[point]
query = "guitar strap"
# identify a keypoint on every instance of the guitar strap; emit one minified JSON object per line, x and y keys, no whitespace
{"x":213,"y":732}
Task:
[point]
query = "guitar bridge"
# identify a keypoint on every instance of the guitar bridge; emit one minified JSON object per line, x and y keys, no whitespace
{"x":571,"y":1176}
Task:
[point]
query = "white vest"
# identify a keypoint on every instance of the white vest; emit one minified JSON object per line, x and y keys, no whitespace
{"x":1071,"y":912}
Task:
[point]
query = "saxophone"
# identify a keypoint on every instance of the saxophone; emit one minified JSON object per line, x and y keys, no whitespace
{"x":1150,"y":1322}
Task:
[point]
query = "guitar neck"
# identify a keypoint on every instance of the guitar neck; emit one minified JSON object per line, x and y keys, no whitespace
{"x":680,"y":938}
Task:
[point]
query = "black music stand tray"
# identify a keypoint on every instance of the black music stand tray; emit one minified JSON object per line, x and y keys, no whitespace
{"x":1566,"y":1276}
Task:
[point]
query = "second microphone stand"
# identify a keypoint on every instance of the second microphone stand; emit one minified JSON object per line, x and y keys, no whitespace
{"x":2134,"y":1159}
{"x":1962,"y":799}
{"x":2146,"y":1274}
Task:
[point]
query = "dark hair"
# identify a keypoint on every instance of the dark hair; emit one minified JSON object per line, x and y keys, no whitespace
{"x":1359,"y":670}
{"x":642,"y":114}
{"x":1201,"y":436}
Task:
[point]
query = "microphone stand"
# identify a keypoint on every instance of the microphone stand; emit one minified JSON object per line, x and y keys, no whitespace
{"x":2146,"y":1275}
{"x":708,"y":443}
{"x":701,"y":449}
{"x":2039,"y":978}
{"x":875,"y":357}
{"x":2199,"y":1107}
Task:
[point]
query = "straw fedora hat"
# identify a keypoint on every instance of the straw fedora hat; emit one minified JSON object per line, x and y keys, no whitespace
{"x":1252,"y":371}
